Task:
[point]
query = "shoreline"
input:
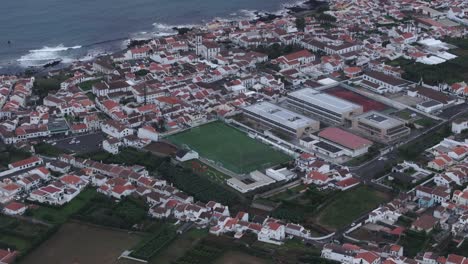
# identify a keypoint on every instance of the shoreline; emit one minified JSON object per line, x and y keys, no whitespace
{"x":286,"y":9}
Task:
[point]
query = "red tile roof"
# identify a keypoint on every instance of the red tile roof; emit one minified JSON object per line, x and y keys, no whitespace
{"x":318,"y":176}
{"x":344,"y":138}
{"x":274,"y":226}
{"x":369,"y":257}
{"x":15,"y":206}
{"x":119,"y":189}
{"x":70,"y":179}
{"x":25,"y":162}
{"x":347,"y":182}
{"x":11,"y":187}
{"x":50,"y":189}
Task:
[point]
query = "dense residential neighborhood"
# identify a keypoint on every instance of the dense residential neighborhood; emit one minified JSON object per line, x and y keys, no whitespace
{"x":340,"y":133}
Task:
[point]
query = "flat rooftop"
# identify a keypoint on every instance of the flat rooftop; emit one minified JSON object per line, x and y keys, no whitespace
{"x":379,"y":120}
{"x":344,"y":138}
{"x":280,"y":115}
{"x":324,"y":100}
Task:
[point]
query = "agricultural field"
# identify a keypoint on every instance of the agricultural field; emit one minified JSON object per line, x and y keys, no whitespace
{"x":235,"y":257}
{"x":103,"y":211}
{"x":347,"y":206}
{"x":21,"y":235}
{"x":229,"y":148}
{"x":303,"y":208}
{"x":207,"y":171}
{"x":414,"y":242}
{"x":200,"y":188}
{"x":179,"y":246}
{"x":81,"y":243}
{"x":201,"y":253}
{"x":158,"y":241}
{"x":59,"y":215}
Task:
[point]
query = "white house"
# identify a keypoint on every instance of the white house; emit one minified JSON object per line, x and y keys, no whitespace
{"x":296,"y":230}
{"x":272,"y":232}
{"x":383,"y":214}
{"x":116,"y":129}
{"x":459,"y":125}
{"x":185,"y":155}
{"x":111,"y":145}
{"x":338,"y":253}
{"x":281,"y":174}
{"x":26,"y":163}
{"x":14,"y":208}
{"x":148,"y":132}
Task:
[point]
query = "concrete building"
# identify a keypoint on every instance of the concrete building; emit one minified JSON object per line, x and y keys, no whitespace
{"x":382,"y":83}
{"x":380,"y":126}
{"x":280,"y":118}
{"x":430,"y":106}
{"x":255,"y":180}
{"x":458,"y":125}
{"x":323,"y":106}
{"x":352,"y":145}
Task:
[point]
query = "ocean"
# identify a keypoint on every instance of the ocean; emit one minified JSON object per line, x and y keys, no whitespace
{"x":36,"y":31}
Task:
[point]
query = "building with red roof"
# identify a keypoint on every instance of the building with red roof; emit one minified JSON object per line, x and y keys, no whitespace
{"x":272,"y":232}
{"x":7,"y":256}
{"x":352,"y":144}
{"x":14,"y":208}
{"x":316,"y":178}
{"x":120,"y":191}
{"x":73,"y":181}
{"x":367,"y":258}
{"x":347,"y":183}
{"x":26,"y":163}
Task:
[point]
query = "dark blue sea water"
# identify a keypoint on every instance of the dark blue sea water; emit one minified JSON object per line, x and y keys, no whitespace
{"x":41,"y":30}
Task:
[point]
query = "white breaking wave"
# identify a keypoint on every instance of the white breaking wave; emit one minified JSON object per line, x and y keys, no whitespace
{"x":47,"y":54}
{"x":162,"y":29}
{"x":55,"y":49}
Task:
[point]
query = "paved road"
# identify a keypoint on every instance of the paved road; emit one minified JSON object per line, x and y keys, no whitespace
{"x":457,"y":110}
{"x":377,"y":166}
{"x":370,"y":169}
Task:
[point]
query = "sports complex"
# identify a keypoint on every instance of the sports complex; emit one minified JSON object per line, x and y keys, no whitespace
{"x":367,"y":103}
{"x":229,"y":148}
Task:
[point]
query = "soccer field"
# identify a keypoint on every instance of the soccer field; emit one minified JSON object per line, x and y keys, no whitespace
{"x":230,"y":148}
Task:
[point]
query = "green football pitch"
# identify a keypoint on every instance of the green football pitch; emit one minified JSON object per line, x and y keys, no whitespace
{"x":229,"y":147}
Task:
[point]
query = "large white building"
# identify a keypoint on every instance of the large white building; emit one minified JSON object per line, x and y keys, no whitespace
{"x":380,"y":126}
{"x":323,"y":106}
{"x":382,"y":83}
{"x":280,"y":118}
{"x":255,"y":180}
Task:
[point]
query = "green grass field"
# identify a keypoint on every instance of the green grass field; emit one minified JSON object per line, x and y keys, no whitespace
{"x":349,"y":205}
{"x":59,"y":215}
{"x":233,"y":149}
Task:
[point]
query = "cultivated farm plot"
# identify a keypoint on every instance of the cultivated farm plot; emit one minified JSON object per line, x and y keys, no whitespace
{"x":20,"y":235}
{"x":229,"y":148}
{"x":347,"y":206}
{"x":202,"y":169}
{"x":80,"y":243}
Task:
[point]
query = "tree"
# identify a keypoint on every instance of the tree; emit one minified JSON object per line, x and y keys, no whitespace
{"x":300,"y":23}
{"x":326,"y":18}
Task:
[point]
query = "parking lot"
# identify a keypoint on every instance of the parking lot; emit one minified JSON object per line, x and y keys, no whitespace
{"x":80,"y":143}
